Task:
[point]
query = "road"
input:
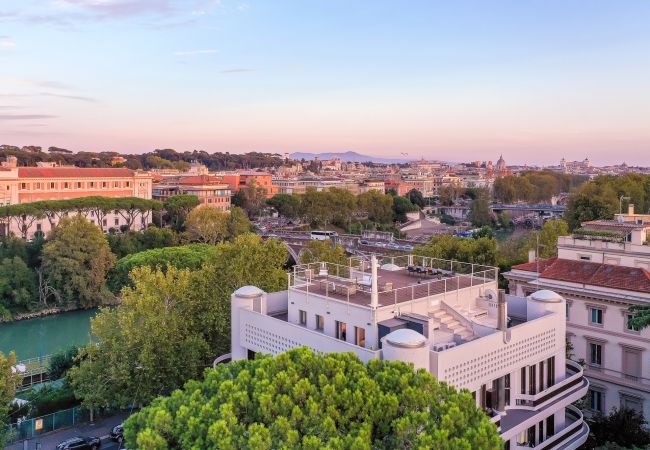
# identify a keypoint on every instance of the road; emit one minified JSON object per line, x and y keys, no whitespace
{"x":100,"y":428}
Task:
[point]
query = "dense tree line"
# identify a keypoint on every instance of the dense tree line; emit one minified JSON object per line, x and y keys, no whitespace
{"x":607,"y":195}
{"x":304,"y":400}
{"x":171,"y":322}
{"x":158,"y":159}
{"x":340,"y":207}
{"x":536,"y":187}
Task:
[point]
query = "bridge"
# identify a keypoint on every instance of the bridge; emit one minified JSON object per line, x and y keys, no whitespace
{"x":539,"y":208}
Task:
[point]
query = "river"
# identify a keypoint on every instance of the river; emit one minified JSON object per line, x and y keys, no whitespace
{"x":45,"y":335}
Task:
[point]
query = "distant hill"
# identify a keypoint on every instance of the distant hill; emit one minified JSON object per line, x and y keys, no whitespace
{"x":347,"y":157}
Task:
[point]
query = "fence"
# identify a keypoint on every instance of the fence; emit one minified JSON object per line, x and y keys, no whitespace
{"x":30,"y":428}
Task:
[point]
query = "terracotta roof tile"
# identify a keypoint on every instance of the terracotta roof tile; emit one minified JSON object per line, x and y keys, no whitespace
{"x":595,"y":274}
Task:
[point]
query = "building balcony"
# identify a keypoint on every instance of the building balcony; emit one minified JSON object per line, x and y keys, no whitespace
{"x":574,"y":385}
{"x":573,"y":435}
{"x":618,"y":377}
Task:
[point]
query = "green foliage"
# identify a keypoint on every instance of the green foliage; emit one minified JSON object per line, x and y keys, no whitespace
{"x":484,"y":231}
{"x":480,"y":251}
{"x":206,"y":224}
{"x":8,"y":383}
{"x":447,"y":219}
{"x":191,"y":256}
{"x":598,"y":233}
{"x":624,"y":427}
{"x":534,"y":187}
{"x":304,"y":400}
{"x":238,"y":223}
{"x":76,"y":260}
{"x":178,"y":207}
{"x":50,"y":399}
{"x":415,"y":197}
{"x":582,"y":208}
{"x":61,"y":362}
{"x":18,"y":285}
{"x":479,"y":209}
{"x":123,"y":244}
{"x":378,"y":206}
{"x":172,"y":323}
{"x":286,"y":205}
{"x":401,"y":206}
{"x":251,"y":199}
{"x":323,"y":251}
{"x":547,"y":236}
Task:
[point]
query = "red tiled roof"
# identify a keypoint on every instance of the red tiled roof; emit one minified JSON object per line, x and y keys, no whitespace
{"x":73,"y":172}
{"x":595,"y":274}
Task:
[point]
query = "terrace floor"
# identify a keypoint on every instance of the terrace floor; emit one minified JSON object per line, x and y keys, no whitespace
{"x":405,"y":287}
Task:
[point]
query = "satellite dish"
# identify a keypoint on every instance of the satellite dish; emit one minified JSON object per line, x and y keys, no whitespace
{"x":491,"y":295}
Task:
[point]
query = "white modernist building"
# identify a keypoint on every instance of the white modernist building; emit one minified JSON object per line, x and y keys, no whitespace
{"x":602,"y":270}
{"x":444,"y":316}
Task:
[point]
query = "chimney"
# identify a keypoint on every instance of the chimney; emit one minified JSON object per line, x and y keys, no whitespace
{"x":532,"y":256}
{"x":630,"y":209}
{"x":374,"y":290}
{"x":502,"y":311}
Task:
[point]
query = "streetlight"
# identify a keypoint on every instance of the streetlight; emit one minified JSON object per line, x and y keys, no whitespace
{"x":620,"y":203}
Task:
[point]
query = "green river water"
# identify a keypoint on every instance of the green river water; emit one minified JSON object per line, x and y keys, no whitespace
{"x":45,"y":335}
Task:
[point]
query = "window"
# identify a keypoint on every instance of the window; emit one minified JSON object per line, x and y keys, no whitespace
{"x":38,"y":227}
{"x":595,"y":354}
{"x":92,"y":184}
{"x":116,"y":184}
{"x":104,"y":184}
{"x":23,"y":185}
{"x":585,"y":258}
{"x":128,"y":184}
{"x":117,"y":221}
{"x":104,"y":222}
{"x":360,"y":336}
{"x":628,"y":325}
{"x":633,"y":403}
{"x":550,"y":425}
{"x":320,"y":322}
{"x":341,"y":328}
{"x":596,"y":316}
{"x":78,"y":184}
{"x":596,"y":400}
{"x":567,"y":310}
{"x":303,"y":317}
{"x":51,"y":185}
{"x":550,"y":371}
{"x":65,"y":185}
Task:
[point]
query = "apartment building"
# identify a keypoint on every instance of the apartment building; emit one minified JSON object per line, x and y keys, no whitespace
{"x":239,"y":180}
{"x":210,"y":190}
{"x":50,"y":182}
{"x":602,"y":270}
{"x":443,"y":316}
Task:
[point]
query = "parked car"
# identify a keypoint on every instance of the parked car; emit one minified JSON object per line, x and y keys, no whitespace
{"x":364,"y":242}
{"x":80,"y":443}
{"x":407,"y":247}
{"x":393,"y":246}
{"x":117,"y":433}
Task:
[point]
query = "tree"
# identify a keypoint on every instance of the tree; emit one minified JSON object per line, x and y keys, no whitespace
{"x":178,"y":207}
{"x":286,"y":205}
{"x":548,"y":235}
{"x":304,"y":400}
{"x":479,"y":210}
{"x":582,"y":208}
{"x":625,"y":427}
{"x":123,"y":244}
{"x":206,"y":224}
{"x":8,"y":383}
{"x":415,"y":197}
{"x":61,"y":362}
{"x":191,"y":256}
{"x":480,"y":251}
{"x":172,"y":323}
{"x":250,"y":198}
{"x":323,"y":251}
{"x":17,"y":285}
{"x":238,"y":223}
{"x":76,"y":260}
{"x":401,"y":206}
{"x":378,"y":206}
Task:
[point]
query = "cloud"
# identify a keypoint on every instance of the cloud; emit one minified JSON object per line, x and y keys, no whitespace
{"x":116,"y":8}
{"x":6,"y":43}
{"x":243,"y":7}
{"x":69,"y":97}
{"x":195,"y":52}
{"x":25,"y":116}
{"x":238,"y":70}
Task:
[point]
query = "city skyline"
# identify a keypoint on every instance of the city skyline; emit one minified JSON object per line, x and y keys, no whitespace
{"x":447,"y":82}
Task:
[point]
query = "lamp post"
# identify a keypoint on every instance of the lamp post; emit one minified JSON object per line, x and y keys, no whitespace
{"x":620,"y":203}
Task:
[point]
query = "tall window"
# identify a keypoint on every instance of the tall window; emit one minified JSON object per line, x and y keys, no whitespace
{"x":341,"y":329}
{"x":628,"y":325}
{"x":550,"y":371}
{"x":596,"y":316}
{"x":303,"y":317}
{"x":596,"y":400}
{"x":78,"y":184}
{"x":320,"y":322}
{"x":595,"y":354}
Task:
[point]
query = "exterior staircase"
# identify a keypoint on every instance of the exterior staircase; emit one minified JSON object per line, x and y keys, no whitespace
{"x":448,"y":323}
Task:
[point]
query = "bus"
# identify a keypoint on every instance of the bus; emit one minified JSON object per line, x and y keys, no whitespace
{"x":322,"y":235}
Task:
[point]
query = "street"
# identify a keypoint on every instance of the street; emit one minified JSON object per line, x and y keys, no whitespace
{"x":100,"y":428}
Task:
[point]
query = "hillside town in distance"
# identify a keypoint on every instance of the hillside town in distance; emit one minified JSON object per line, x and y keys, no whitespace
{"x":525,"y":289}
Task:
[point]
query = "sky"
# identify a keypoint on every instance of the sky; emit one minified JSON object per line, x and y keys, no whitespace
{"x":450,"y":80}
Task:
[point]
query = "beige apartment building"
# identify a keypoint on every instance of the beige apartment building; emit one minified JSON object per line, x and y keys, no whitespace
{"x":602,"y":270}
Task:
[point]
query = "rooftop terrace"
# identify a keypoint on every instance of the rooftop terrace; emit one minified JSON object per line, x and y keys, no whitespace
{"x":399,"y":279}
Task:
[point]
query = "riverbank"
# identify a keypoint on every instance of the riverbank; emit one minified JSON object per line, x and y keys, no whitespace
{"x":36,"y":314}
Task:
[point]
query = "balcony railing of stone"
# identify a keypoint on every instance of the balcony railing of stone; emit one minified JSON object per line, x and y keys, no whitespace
{"x":615,"y":374}
{"x":575,"y":432}
{"x":573,"y":380}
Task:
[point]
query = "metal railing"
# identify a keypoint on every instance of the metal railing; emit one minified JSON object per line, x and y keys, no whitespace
{"x":595,"y":371}
{"x":30,"y":428}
